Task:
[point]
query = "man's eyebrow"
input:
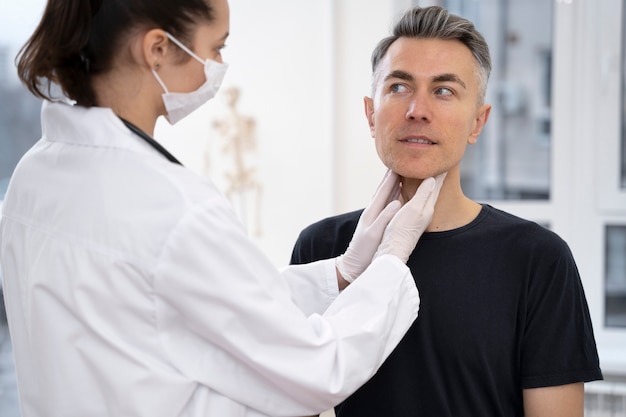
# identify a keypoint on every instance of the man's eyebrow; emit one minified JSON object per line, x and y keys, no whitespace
{"x":400,"y":75}
{"x":449,"y":78}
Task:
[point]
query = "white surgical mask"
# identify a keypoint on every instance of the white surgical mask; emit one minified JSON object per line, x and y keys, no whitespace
{"x":179,"y":105}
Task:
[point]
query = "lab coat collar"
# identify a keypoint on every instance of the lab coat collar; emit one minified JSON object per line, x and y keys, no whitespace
{"x":73,"y":124}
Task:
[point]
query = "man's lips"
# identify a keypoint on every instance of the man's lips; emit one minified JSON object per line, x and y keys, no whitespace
{"x":420,"y":140}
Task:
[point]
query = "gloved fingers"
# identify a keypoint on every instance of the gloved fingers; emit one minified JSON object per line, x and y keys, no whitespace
{"x":422,"y":196}
{"x":397,"y":193}
{"x":428,"y":192}
{"x":387,"y":191}
{"x":387,"y":183}
{"x":439,"y":179}
{"x":407,"y":226}
{"x":376,"y":229}
{"x":370,"y":229}
{"x":429,"y":205}
{"x":365,"y":243}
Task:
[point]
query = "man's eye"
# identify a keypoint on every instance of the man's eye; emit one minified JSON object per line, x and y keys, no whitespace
{"x":443,"y":91}
{"x":398,"y":88}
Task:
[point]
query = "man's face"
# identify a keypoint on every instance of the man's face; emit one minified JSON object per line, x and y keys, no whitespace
{"x":425,"y":108}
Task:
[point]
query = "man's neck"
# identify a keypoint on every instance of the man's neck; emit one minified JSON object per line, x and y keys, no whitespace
{"x":451,"y":215}
{"x":453,"y":208}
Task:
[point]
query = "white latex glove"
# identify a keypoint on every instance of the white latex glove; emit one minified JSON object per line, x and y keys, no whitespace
{"x":407,"y":226}
{"x":370,"y":228}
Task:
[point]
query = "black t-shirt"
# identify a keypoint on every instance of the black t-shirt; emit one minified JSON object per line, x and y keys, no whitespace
{"x":502,"y":309}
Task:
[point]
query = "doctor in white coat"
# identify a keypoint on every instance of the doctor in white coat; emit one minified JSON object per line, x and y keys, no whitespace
{"x":131,"y":287}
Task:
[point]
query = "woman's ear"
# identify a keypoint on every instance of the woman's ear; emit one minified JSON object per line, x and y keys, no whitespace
{"x":154,"y":47}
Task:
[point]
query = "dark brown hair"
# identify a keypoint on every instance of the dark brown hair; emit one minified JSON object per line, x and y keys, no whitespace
{"x":76,"y":39}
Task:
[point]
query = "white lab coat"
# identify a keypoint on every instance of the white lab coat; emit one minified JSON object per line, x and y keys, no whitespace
{"x":132,"y":290}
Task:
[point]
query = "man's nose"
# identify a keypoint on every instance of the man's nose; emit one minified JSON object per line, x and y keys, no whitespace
{"x":419,"y":108}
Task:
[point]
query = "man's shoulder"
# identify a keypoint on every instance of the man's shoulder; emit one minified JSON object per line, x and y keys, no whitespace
{"x":523,"y":234}
{"x":512,"y":222}
{"x":334,"y":224}
{"x":325,"y":238}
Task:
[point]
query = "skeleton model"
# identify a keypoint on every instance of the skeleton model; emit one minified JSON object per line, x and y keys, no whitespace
{"x":237,"y":133}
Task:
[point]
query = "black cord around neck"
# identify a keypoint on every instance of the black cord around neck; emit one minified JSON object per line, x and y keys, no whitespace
{"x":156,"y":145}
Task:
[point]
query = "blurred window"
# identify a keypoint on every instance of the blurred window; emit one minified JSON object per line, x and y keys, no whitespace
{"x":615,"y":273}
{"x":512,"y":158}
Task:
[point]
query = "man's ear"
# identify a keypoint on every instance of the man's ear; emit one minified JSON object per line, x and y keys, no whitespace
{"x":369,"y":113}
{"x":154,"y":47}
{"x":481,"y":119}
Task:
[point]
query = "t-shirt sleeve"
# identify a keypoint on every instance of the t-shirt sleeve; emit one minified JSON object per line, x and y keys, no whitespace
{"x":327,"y":238}
{"x":558,"y":345}
{"x":302,"y":252}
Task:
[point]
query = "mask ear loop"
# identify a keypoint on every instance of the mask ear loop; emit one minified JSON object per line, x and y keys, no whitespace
{"x":161,"y":83}
{"x":184,"y":48}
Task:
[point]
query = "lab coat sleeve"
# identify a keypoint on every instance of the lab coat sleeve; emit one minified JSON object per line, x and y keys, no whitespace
{"x":228,"y":320}
{"x":313,"y":291}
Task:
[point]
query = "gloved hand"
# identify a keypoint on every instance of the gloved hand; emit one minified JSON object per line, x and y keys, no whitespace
{"x":407,"y":226}
{"x":370,"y":228}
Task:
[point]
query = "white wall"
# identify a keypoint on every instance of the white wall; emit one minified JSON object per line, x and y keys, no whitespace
{"x":303,"y":67}
{"x":280,"y":55}
{"x":357,"y":31}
